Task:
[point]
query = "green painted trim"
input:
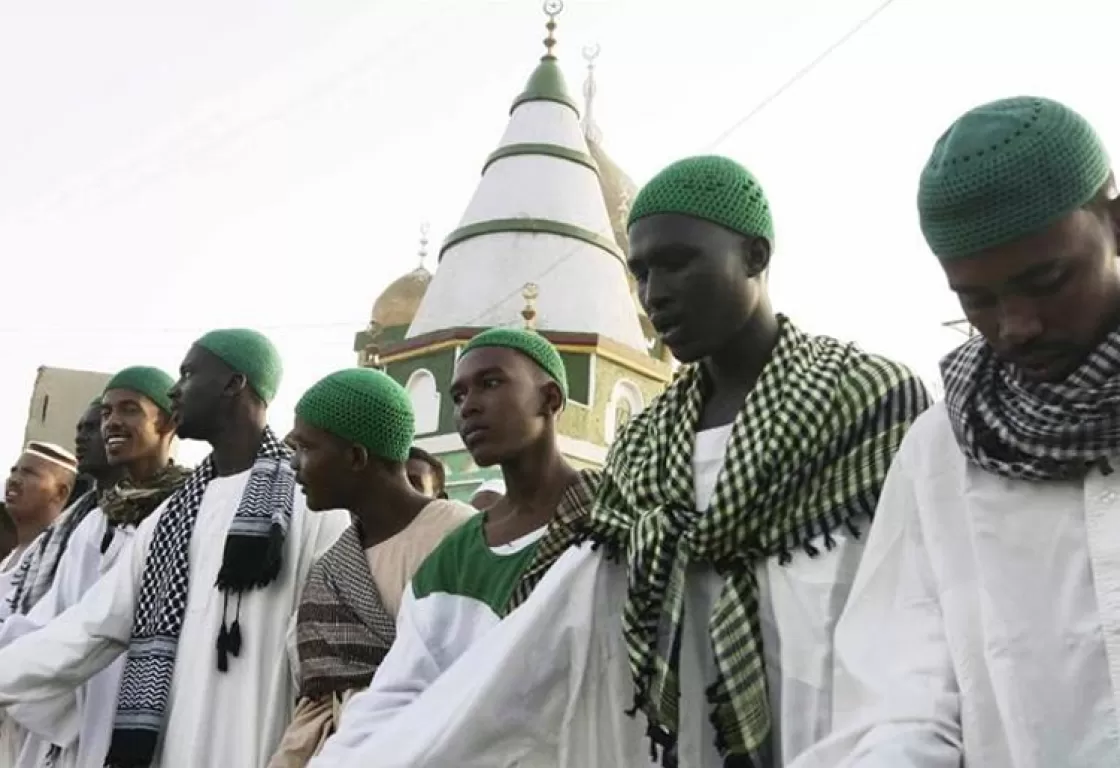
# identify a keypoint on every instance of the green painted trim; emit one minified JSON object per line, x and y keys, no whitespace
{"x":531,"y":226}
{"x":549,"y":150}
{"x":463,"y":566}
{"x":546,"y":84}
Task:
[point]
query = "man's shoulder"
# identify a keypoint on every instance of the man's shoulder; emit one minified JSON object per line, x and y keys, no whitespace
{"x":459,"y":551}
{"x":448,"y":513}
{"x":930,"y":441}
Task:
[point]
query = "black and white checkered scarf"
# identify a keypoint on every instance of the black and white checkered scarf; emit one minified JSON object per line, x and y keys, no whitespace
{"x":37,"y":571}
{"x":1034,"y":430}
{"x":807,"y":456}
{"x":253,"y":556}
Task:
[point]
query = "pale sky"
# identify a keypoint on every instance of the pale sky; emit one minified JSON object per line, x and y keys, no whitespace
{"x":248,"y":162}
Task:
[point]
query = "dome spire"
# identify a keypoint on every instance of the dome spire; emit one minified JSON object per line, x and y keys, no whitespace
{"x":547,"y":82}
{"x":552,"y":9}
{"x":590,"y":128}
{"x":423,"y":253}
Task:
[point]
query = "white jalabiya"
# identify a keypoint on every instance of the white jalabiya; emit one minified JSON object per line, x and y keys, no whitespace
{"x":12,"y":736}
{"x":549,"y":686}
{"x":81,"y":722}
{"x":984,"y":625}
{"x":234,"y":718}
{"x":9,"y":569}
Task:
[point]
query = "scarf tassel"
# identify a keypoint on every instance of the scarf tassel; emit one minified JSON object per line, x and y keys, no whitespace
{"x":251,"y":562}
{"x":662,"y":747}
{"x":229,"y":638}
{"x":853,"y":529}
{"x":131,"y":748}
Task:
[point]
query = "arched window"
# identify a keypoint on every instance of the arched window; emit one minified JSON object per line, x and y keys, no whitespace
{"x":625,"y":403}
{"x":424,"y":393}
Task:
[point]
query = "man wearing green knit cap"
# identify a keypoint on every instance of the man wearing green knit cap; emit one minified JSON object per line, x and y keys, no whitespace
{"x":982,"y":627}
{"x":137,"y":429}
{"x":353,"y":432}
{"x":198,"y":605}
{"x":508,"y":390}
{"x":722,"y":539}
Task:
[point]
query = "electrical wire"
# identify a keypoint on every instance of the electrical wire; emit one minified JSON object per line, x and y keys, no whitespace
{"x":798,"y":76}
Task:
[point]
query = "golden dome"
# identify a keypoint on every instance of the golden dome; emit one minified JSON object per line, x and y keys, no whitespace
{"x":398,"y":303}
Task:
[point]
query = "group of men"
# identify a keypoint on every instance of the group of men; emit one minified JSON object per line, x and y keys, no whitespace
{"x":791,"y":557}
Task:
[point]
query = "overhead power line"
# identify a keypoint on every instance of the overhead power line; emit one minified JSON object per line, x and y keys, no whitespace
{"x":798,"y":76}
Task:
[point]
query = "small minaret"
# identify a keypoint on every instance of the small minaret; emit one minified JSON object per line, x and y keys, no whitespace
{"x":423,"y":253}
{"x":590,"y":128}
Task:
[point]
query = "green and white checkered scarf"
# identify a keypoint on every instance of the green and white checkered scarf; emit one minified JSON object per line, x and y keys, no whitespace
{"x":808,"y":454}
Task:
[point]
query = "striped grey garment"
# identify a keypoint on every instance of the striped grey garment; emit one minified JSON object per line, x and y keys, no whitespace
{"x":343,"y":629}
{"x":1034,"y":430}
{"x":807,"y":456}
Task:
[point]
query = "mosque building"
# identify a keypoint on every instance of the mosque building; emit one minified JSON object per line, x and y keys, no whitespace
{"x":542,"y":244}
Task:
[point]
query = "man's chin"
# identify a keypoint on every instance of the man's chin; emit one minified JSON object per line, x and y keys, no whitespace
{"x":686,"y":353}
{"x":315,"y":504}
{"x":482,"y":457}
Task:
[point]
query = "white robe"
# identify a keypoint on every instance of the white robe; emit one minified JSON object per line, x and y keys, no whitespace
{"x":549,"y":685}
{"x":231,"y":719}
{"x":80,"y":722}
{"x":12,"y":736}
{"x":984,"y":625}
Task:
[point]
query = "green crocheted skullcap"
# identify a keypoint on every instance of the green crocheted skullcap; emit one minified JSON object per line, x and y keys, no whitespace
{"x":362,"y":406}
{"x":249,"y":353}
{"x":529,"y":343}
{"x":1006,"y":170}
{"x":708,"y":187}
{"x":150,"y":382}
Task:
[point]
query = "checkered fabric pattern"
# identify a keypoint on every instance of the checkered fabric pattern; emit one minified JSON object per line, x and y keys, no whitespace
{"x":263,"y":515}
{"x":42,"y":566}
{"x":808,"y":454}
{"x":1034,"y":431}
{"x":571,"y":515}
{"x":343,"y":629}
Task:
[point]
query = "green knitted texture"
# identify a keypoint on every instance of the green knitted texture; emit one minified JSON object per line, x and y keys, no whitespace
{"x":249,"y":353}
{"x":150,"y":382}
{"x":1006,"y":170}
{"x":362,"y":406}
{"x":711,"y":188}
{"x":529,"y":343}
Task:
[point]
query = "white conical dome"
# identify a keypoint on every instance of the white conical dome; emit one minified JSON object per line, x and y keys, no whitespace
{"x":537,"y":216}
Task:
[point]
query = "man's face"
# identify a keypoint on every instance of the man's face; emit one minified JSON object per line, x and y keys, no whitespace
{"x":692,"y":282}
{"x":502,"y":402}
{"x":422,"y":477}
{"x":198,"y":396}
{"x":1044,"y":302}
{"x":325,"y":466}
{"x":132,"y":426}
{"x":89,"y":446}
{"x":34,"y":486}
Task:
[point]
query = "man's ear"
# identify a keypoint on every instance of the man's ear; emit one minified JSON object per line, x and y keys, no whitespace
{"x":237,"y":383}
{"x":553,"y":400}
{"x":756,"y":256}
{"x":358,"y":457}
{"x":1112,"y":208}
{"x":65,"y":488}
{"x":167,"y":424}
